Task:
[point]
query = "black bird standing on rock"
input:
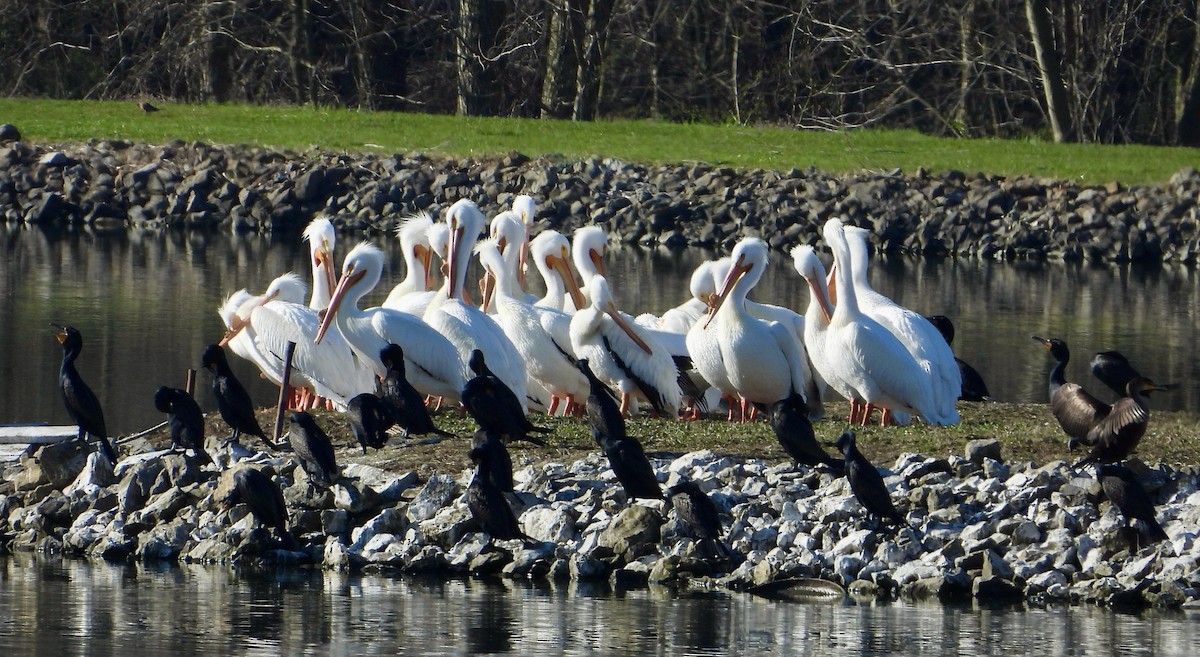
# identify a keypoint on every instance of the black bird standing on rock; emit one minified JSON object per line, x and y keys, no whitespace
{"x":486,"y":501}
{"x":789,"y":420}
{"x":494,"y":405}
{"x":1117,"y":434}
{"x":499,"y":461}
{"x":184,"y":419}
{"x":866,"y":483}
{"x":314,"y":449}
{"x":233,"y":401}
{"x":82,"y":404}
{"x":261,"y":494}
{"x":698,"y":514}
{"x":1076,"y":410}
{"x":370,"y":418}
{"x":1124,"y":491}
{"x":407,"y":406}
{"x":625,"y":455}
{"x":974,"y":388}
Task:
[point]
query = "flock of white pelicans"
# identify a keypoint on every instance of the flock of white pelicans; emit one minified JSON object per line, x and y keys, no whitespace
{"x":718,"y":343}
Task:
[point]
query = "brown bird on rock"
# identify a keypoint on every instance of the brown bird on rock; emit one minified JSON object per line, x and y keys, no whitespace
{"x":1116,"y":435}
{"x":1076,"y":410}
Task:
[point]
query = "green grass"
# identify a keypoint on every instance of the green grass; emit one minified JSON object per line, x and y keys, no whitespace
{"x":298,"y":128}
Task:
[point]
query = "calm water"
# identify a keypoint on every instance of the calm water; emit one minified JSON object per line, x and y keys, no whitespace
{"x":145,"y":304}
{"x":70,"y":607}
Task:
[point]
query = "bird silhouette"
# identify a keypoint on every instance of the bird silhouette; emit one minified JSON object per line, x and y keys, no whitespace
{"x":499,"y":461}
{"x":494,"y":406}
{"x":1128,"y":495}
{"x":1075,"y":409}
{"x":625,"y":455}
{"x":789,"y":420}
{"x":260,"y":493}
{"x":82,"y":404}
{"x":407,"y":406}
{"x":370,"y":418}
{"x":313,"y":447}
{"x":603,"y":408}
{"x":147,"y":107}
{"x":233,"y":402}
{"x":866,"y":483}
{"x":184,"y":420}
{"x":698,"y":515}
{"x":486,"y":501}
{"x":1115,"y":436}
{"x":974,"y":388}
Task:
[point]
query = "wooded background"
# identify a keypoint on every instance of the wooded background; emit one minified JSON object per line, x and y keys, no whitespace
{"x":1109,"y":72}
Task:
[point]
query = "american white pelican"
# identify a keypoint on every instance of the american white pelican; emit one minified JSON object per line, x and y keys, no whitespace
{"x":764,"y":360}
{"x":321,"y":238}
{"x":920,"y":337}
{"x":622,"y":355}
{"x":432,"y":364}
{"x":412,"y":294}
{"x":509,"y":233}
{"x":589,"y":247}
{"x":278,"y":317}
{"x":526,"y":209}
{"x":869,"y":363}
{"x":464,"y":325}
{"x":552,"y":257}
{"x":541,"y":335}
{"x":681,"y":318}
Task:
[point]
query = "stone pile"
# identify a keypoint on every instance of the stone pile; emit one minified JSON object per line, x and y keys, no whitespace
{"x":978,"y":526}
{"x":119,"y":184}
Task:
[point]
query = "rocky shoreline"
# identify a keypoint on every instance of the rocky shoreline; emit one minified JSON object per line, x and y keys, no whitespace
{"x":118,"y":184}
{"x":979,"y":528}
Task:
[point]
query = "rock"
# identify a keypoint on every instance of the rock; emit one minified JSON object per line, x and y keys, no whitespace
{"x":979,"y":450}
{"x":996,"y":590}
{"x":632,"y":532}
{"x":437,"y":492}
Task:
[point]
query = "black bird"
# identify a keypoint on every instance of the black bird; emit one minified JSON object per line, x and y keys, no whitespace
{"x":697,"y":514}
{"x":82,"y":404}
{"x":184,"y":419}
{"x":1117,"y":434}
{"x":973,"y":386}
{"x":487,"y":503}
{"x":261,"y":494}
{"x":499,"y":468}
{"x":789,"y":420}
{"x":313,"y":447}
{"x":494,"y":405}
{"x":866,"y":483}
{"x":1113,"y":369}
{"x":625,"y":455}
{"x":407,"y":406}
{"x":147,"y":107}
{"x":370,"y":418}
{"x":233,"y":401}
{"x":1076,"y":410}
{"x":1128,"y":495}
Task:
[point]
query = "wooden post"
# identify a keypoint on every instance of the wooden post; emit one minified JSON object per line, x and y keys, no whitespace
{"x":189,"y":384}
{"x":283,"y":392}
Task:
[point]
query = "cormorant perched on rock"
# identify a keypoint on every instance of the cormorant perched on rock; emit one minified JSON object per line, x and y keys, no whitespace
{"x":184,"y":419}
{"x":1116,"y":435}
{"x":1076,"y":410}
{"x":1113,"y":369}
{"x":698,"y":515}
{"x":370,"y":418}
{"x":625,"y":455}
{"x":313,"y":448}
{"x":973,"y":386}
{"x":494,"y":405}
{"x":866,"y":483}
{"x":261,"y":494}
{"x":486,"y":501}
{"x":233,"y":401}
{"x":789,"y":420}
{"x":499,"y":468}
{"x":82,"y":404}
{"x":1128,"y":495}
{"x":407,"y":406}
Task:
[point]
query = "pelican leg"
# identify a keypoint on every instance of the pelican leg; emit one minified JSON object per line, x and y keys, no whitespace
{"x":855,"y":409}
{"x":624,"y":404}
{"x":885,"y":418}
{"x":554,"y":399}
{"x":867,"y":413}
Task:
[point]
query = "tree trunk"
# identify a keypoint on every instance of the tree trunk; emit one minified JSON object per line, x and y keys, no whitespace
{"x":301,"y":56}
{"x":1042,"y":33}
{"x":1187,"y":93}
{"x":591,"y":59}
{"x":478,"y":29}
{"x":216,"y":56}
{"x":558,"y":77}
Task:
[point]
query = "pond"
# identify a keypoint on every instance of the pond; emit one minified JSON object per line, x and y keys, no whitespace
{"x":146,"y":305}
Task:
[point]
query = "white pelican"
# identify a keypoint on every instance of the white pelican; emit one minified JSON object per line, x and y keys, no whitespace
{"x":412,"y":294}
{"x":589,"y":247}
{"x":917,"y":334}
{"x":552,"y":257}
{"x":278,"y":317}
{"x":622,"y":355}
{"x":764,"y":361}
{"x":464,"y":325}
{"x":321,"y":238}
{"x":432,"y":364}
{"x":509,"y":233}
{"x":868,"y":362}
{"x":526,"y":209}
{"x":541,"y":335}
{"x":681,"y":318}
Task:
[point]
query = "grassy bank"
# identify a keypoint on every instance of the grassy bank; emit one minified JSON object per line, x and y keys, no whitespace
{"x":58,"y":121}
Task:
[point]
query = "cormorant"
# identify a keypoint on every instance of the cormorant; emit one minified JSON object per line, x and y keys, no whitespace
{"x":261,"y":494}
{"x":1113,"y":369}
{"x":625,"y":455}
{"x":1116,"y":435}
{"x":789,"y":420}
{"x":973,"y":386}
{"x":1076,"y":410}
{"x":499,"y":468}
{"x":603,"y":408}
{"x":370,"y":418}
{"x":494,"y":405}
{"x":487,"y":503}
{"x":866,"y":483}
{"x":407,"y":406}
{"x":697,"y":514}
{"x":233,"y":401}
{"x":313,"y":448}
{"x":82,"y":404}
{"x":184,"y":419}
{"x":1128,"y":495}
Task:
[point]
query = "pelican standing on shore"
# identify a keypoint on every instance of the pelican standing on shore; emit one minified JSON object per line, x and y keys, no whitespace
{"x":412,"y":294}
